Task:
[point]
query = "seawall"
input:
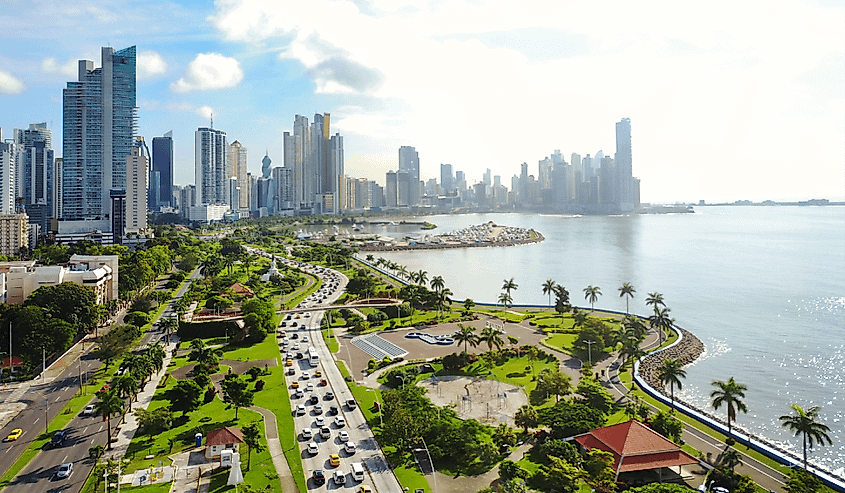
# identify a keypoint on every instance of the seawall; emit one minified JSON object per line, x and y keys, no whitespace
{"x":443,"y":246}
{"x":687,"y":350}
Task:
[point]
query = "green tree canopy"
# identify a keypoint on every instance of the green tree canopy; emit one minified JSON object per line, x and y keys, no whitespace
{"x":186,"y":396}
{"x":67,"y":301}
{"x":236,"y":392}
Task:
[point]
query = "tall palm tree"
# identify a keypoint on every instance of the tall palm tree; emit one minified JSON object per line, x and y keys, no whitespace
{"x":509,"y":286}
{"x":505,"y":299}
{"x":661,"y":319}
{"x":592,"y":293}
{"x":156,"y":354}
{"x":549,"y":289}
{"x":806,"y":423}
{"x":422,"y":277}
{"x":126,"y":386}
{"x":630,"y":349}
{"x":441,"y":298}
{"x":413,"y":277}
{"x":730,"y":394}
{"x":370,"y":258}
{"x":437,"y":283}
{"x":467,"y":336}
{"x":108,"y":404}
{"x":491,"y":337}
{"x":402,"y":271}
{"x":671,"y":372}
{"x":730,"y":458}
{"x":628,"y":291}
{"x":654,"y":299}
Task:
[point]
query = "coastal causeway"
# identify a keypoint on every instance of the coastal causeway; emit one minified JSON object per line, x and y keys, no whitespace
{"x":488,"y":234}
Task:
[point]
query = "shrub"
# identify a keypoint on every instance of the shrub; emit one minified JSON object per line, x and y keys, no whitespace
{"x":259,"y":385}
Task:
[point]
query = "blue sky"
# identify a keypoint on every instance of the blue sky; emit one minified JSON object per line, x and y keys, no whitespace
{"x":727,"y":100}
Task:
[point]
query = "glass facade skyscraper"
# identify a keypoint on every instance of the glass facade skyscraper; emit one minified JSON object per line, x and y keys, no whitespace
{"x":161,"y":175}
{"x":100,"y":121}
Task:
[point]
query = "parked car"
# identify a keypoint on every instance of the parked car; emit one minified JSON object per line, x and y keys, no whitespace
{"x":339,"y":477}
{"x":344,"y":436}
{"x":334,"y":460}
{"x":307,"y":434}
{"x":326,"y":432}
{"x":339,"y":421}
{"x":349,"y":447}
{"x":313,"y":449}
{"x":300,"y":410}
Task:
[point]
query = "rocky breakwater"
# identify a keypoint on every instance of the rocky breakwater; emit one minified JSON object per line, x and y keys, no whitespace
{"x":687,"y":351}
{"x":483,"y":235}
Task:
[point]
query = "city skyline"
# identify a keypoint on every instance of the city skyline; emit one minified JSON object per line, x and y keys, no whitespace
{"x":724,"y":105}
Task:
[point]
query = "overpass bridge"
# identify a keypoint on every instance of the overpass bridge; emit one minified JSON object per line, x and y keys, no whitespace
{"x":368,"y":303}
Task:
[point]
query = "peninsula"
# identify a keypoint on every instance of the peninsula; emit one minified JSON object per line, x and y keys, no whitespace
{"x":487,"y":234}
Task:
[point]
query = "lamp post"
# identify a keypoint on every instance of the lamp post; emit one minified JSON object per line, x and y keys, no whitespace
{"x":403,"y":377}
{"x":431,"y":463}
{"x":589,"y":349}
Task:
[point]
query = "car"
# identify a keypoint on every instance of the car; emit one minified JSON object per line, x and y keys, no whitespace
{"x":294,"y":335}
{"x":300,"y":410}
{"x":58,"y":438}
{"x":283,"y":324}
{"x":349,"y":447}
{"x":351,"y":404}
{"x":339,"y":421}
{"x":289,"y":363}
{"x":298,"y":393}
{"x":297,"y":316}
{"x":318,"y":374}
{"x":14,"y":435}
{"x":304,"y":339}
{"x":289,"y":356}
{"x":309,"y":387}
{"x":339,"y":477}
{"x":295,"y":347}
{"x":291,"y":371}
{"x":307,"y":315}
{"x":313,"y":449}
{"x":298,"y":355}
{"x":320,"y":421}
{"x":318,"y":477}
{"x":323,"y":382}
{"x":307,"y":434}
{"x":333,"y":410}
{"x":344,"y":436}
{"x":326,"y":432}
{"x":295,"y":384}
{"x":365,"y":489}
{"x":306,"y":375}
{"x":65,"y":470}
{"x":329,"y":395}
{"x":318,"y":409}
{"x":89,"y":410}
{"x":334,"y":460}
{"x":315,"y":398}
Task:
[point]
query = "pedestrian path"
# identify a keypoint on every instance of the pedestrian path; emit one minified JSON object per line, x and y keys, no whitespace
{"x":274,"y":446}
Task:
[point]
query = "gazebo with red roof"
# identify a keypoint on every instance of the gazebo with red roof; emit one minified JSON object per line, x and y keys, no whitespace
{"x":635,"y":447}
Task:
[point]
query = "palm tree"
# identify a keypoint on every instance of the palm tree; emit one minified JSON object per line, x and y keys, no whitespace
{"x":805,"y":423}
{"x":634,"y":327}
{"x":422,"y":277}
{"x":505,"y":299}
{"x":630,"y":349}
{"x":412,"y":276}
{"x":370,"y":258}
{"x":549,"y":289}
{"x":437,"y":283}
{"x":592,"y":293}
{"x":730,"y":458}
{"x":156,"y":354}
{"x":108,"y":404}
{"x":509,"y":286}
{"x":661,"y":319}
{"x":671,"y":372}
{"x":526,"y":417}
{"x":654,"y":299}
{"x":126,"y":386}
{"x":491,"y":337}
{"x":210,"y":266}
{"x":402,"y":272}
{"x":730,"y":394}
{"x":628,"y":291}
{"x":441,"y":298}
{"x":467,"y":336}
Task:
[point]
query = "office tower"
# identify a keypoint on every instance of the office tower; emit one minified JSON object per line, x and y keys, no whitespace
{"x":303,"y":172}
{"x":460,"y":180}
{"x":283,"y":188}
{"x":597,"y":162}
{"x":137,"y":166}
{"x":212,"y":173}
{"x":35,"y":168}
{"x":336,"y":170}
{"x":161,"y":177}
{"x":234,"y":193}
{"x":99,"y":125}
{"x":188,"y":199}
{"x":237,"y":164}
{"x":446,"y":178}
{"x":253,"y":191}
{"x":409,"y":160}
{"x":624,"y":168}
{"x":403,"y":188}
{"x":486,"y":178}
{"x":13,"y":234}
{"x":376,"y":195}
{"x":8,"y":150}
{"x":58,"y":163}
{"x":544,"y":174}
{"x":391,"y":189}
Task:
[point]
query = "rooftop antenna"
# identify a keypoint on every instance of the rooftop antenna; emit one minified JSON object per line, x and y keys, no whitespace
{"x":212,"y":121}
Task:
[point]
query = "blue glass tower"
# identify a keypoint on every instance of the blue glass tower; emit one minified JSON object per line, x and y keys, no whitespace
{"x":161,"y":175}
{"x":100,"y":123}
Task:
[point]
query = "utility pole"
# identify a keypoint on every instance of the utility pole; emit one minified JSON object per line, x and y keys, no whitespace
{"x":589,"y":349}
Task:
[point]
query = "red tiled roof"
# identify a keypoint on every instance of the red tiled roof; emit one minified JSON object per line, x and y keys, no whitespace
{"x":655,"y":461}
{"x":223,"y":436}
{"x":239,"y":288}
{"x":16,"y":361}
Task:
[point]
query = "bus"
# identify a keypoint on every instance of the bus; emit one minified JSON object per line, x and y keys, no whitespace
{"x":313,"y":357}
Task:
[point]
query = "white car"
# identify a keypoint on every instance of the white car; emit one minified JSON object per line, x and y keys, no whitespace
{"x":320,"y":421}
{"x":295,"y":347}
{"x":339,"y":477}
{"x":309,"y":387}
{"x":312,"y":448}
{"x":89,"y":410}
{"x":307,"y":434}
{"x":304,"y":338}
{"x":65,"y":470}
{"x":344,"y":436}
{"x":349,"y":447}
{"x":300,"y":410}
{"x":339,"y":421}
{"x":298,"y":393}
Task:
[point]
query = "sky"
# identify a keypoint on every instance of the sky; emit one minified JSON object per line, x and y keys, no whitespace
{"x":727,"y":100}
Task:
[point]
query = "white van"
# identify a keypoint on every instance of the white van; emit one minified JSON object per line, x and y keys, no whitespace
{"x":358,"y":471}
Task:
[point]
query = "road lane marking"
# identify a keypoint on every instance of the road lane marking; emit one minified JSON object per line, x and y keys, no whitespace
{"x":63,"y":460}
{"x":36,"y":420}
{"x":100,"y":429}
{"x":84,"y":430}
{"x":57,"y":399}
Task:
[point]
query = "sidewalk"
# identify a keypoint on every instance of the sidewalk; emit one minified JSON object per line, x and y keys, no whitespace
{"x":274,"y":446}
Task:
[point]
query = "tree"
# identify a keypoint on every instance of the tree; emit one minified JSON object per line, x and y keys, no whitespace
{"x":509,"y":469}
{"x":668,"y":426}
{"x":655,"y":300}
{"x":186,"y":396}
{"x":467,"y":336}
{"x":600,"y":473}
{"x":562,"y":449}
{"x":800,"y":481}
{"x":805,"y":422}
{"x":468,"y":304}
{"x":437,"y":283}
{"x":570,"y":417}
{"x":441,"y":298}
{"x":491,"y":337}
{"x":236,"y":392}
{"x":506,"y":300}
{"x":591,"y":294}
{"x":525,"y":417}
{"x":509,"y":286}
{"x":554,"y":382}
{"x":108,"y":404}
{"x":730,"y":394}
{"x":628,"y":291}
{"x":95,"y":452}
{"x":592,"y":393}
{"x":671,"y":372}
{"x":730,"y":458}
{"x":67,"y":301}
{"x":562,"y":474}
{"x":252,"y":438}
{"x":661,"y":319}
{"x":549,"y":288}
{"x":562,"y":304}
{"x":127,"y":387}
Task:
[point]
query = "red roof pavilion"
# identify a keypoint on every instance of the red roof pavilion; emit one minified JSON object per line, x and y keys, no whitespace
{"x":635,"y":447}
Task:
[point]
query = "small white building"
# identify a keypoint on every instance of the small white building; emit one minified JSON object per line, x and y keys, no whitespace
{"x":225,"y":438}
{"x":21,"y":279}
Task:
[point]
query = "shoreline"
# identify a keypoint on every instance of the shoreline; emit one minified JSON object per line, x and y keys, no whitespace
{"x":444,"y":246}
{"x":686,"y":352}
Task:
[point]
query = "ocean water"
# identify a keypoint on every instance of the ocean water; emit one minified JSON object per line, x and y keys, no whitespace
{"x":762,"y":287}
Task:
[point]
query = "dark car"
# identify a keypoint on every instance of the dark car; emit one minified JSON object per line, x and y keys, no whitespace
{"x":315,"y":398}
{"x":298,"y":355}
{"x":294,"y":335}
{"x":333,"y":410}
{"x":319,"y":477}
{"x":58,"y":438}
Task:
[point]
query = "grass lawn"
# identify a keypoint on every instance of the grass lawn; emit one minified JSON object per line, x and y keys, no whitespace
{"x":331,"y":342}
{"x":562,"y":342}
{"x":411,"y":478}
{"x":266,"y":349}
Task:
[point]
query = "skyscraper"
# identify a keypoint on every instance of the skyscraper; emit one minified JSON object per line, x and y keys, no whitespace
{"x":409,"y":160}
{"x":137,"y":165}
{"x":8,"y":151}
{"x":99,"y":126}
{"x":624,"y":168}
{"x":161,"y":177}
{"x":447,"y":178}
{"x":237,"y":163}
{"x":212,"y":173}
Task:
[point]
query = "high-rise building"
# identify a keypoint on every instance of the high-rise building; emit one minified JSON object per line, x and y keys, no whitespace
{"x":99,"y":126}
{"x":624,"y":168}
{"x":8,"y":150}
{"x":391,"y":189}
{"x":35,"y":167}
{"x":137,"y":166}
{"x":237,"y":163}
{"x":13,"y":234}
{"x":447,"y":178}
{"x":409,"y":160}
{"x":336,"y":171}
{"x":161,"y":176}
{"x":303,"y":169}
{"x":212,"y":172}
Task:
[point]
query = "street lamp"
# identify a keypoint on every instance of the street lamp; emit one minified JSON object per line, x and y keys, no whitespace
{"x":589,"y":349}
{"x":431,"y":463}
{"x":403,"y":377}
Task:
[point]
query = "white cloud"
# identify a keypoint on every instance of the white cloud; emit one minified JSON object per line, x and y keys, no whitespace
{"x":9,"y":84}
{"x":51,"y":66}
{"x":204,"y":112}
{"x":150,"y":65}
{"x":209,"y":71}
{"x":708,"y":88}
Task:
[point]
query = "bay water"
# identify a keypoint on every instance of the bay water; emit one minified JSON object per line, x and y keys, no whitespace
{"x":762,"y":287}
